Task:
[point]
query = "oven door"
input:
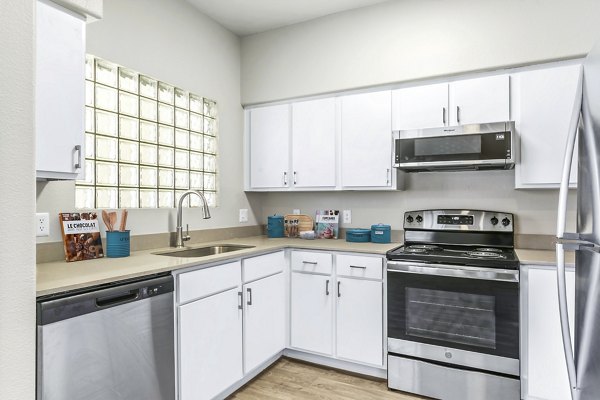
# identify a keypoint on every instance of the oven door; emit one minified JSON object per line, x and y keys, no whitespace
{"x":454,"y":315}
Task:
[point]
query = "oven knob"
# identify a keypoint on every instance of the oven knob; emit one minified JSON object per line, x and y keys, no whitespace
{"x":409,"y":219}
{"x":494,"y":221}
{"x":506,"y":222}
{"x":419,"y":219}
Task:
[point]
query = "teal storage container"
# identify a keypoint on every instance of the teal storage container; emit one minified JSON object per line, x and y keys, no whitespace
{"x":117,"y":244}
{"x":381,"y":233}
{"x":358,"y":235}
{"x":275,"y":226}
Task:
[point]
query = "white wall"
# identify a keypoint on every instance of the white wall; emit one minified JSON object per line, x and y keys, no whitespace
{"x":171,"y":41}
{"x":535,"y":210}
{"x":407,"y":40}
{"x":17,"y":246}
{"x":412,"y":40}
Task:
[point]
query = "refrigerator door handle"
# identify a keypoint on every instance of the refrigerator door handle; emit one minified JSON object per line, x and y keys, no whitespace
{"x":566,"y":171}
{"x":564,"y":318}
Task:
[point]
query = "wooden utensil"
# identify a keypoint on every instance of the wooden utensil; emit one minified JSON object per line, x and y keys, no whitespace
{"x":123,"y":220}
{"x":106,"y":219}
{"x":113,"y":219}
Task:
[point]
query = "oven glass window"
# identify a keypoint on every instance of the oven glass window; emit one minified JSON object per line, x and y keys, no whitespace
{"x":455,"y":317}
{"x":467,"y":144}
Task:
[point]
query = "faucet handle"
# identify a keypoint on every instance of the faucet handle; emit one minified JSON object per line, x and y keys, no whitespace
{"x":187,"y":233}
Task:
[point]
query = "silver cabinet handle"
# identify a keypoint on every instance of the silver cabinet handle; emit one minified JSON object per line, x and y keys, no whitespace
{"x":387,"y":176}
{"x":339,"y":293}
{"x":444,"y":115}
{"x":285,"y":179}
{"x":78,"y":150}
{"x":240,"y":306}
{"x":310,"y":262}
{"x":358,"y":266}
{"x":295,"y":177}
{"x":458,"y":114}
{"x":327,"y":287}
{"x":249,"y":291}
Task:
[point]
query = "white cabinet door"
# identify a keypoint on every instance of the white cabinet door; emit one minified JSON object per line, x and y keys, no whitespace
{"x":360,"y":320}
{"x":210,"y":345}
{"x":480,"y":100}
{"x":269,"y":147}
{"x":312,"y":313}
{"x":264,"y":320}
{"x":313,"y":143}
{"x":420,"y":107}
{"x":60,"y":92}
{"x":547,"y":99}
{"x":546,"y":373}
{"x":367,"y":140}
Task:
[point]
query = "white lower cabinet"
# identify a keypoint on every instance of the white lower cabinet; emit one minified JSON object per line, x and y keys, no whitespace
{"x":210,"y":345}
{"x":312,"y":312}
{"x":264,"y":320}
{"x":339,"y":315}
{"x":360,"y":320}
{"x":544,"y":371}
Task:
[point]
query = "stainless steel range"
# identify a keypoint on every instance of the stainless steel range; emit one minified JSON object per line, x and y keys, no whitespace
{"x":453,"y":306}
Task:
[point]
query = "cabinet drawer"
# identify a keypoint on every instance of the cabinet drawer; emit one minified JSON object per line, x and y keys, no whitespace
{"x":207,"y":281}
{"x":359,"y":266}
{"x":261,"y":266}
{"x":308,"y":261}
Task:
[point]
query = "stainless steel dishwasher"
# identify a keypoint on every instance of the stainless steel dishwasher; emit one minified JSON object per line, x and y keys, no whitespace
{"x":111,"y":343}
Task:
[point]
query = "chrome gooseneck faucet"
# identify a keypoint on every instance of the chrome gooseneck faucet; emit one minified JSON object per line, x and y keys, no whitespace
{"x":205,"y":211}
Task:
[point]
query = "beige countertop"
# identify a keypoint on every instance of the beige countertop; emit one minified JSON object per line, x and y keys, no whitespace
{"x":60,"y":276}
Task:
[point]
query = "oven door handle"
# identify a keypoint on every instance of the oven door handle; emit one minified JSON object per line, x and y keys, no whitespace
{"x":456,"y":271}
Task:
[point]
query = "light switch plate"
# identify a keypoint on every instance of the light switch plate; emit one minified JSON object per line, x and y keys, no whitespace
{"x":42,"y":226}
{"x":296,"y":211}
{"x":243,"y":215}
{"x":347,"y":217}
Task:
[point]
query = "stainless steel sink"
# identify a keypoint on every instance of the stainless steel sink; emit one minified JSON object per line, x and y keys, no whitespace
{"x":204,"y":251}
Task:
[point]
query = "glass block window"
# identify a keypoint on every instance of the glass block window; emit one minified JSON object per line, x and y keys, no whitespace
{"x":147,"y":141}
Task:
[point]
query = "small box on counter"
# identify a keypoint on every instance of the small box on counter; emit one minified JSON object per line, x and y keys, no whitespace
{"x":381,"y":233}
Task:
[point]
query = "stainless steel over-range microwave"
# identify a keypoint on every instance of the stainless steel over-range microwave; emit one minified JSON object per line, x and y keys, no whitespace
{"x":466,"y":147}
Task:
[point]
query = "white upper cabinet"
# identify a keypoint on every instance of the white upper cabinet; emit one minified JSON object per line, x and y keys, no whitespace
{"x":313,"y":143}
{"x":420,"y":107}
{"x":471,"y":101}
{"x":547,"y":98}
{"x":60,"y":92}
{"x":269,"y":147}
{"x":480,"y":100}
{"x":367,"y":140}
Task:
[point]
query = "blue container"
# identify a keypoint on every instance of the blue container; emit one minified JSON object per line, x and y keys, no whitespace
{"x":275,"y":226}
{"x":358,"y":235}
{"x":117,"y":244}
{"x":381,"y":233}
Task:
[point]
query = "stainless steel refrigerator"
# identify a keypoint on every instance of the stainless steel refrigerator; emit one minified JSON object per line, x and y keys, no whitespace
{"x":583,"y":365}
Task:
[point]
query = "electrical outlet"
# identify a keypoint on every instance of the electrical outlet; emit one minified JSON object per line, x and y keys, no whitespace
{"x":42,"y":224}
{"x":296,"y":211}
{"x":243,"y":215}
{"x":347,"y":217}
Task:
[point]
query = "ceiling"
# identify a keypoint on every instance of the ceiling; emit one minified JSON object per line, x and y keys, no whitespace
{"x":245,"y":17}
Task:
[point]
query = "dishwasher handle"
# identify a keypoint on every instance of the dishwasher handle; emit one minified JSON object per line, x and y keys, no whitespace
{"x":119,"y":298}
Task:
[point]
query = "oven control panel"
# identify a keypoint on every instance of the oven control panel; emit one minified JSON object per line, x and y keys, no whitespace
{"x":459,"y":220}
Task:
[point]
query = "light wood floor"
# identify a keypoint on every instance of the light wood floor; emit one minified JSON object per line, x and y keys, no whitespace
{"x":288,"y":379}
